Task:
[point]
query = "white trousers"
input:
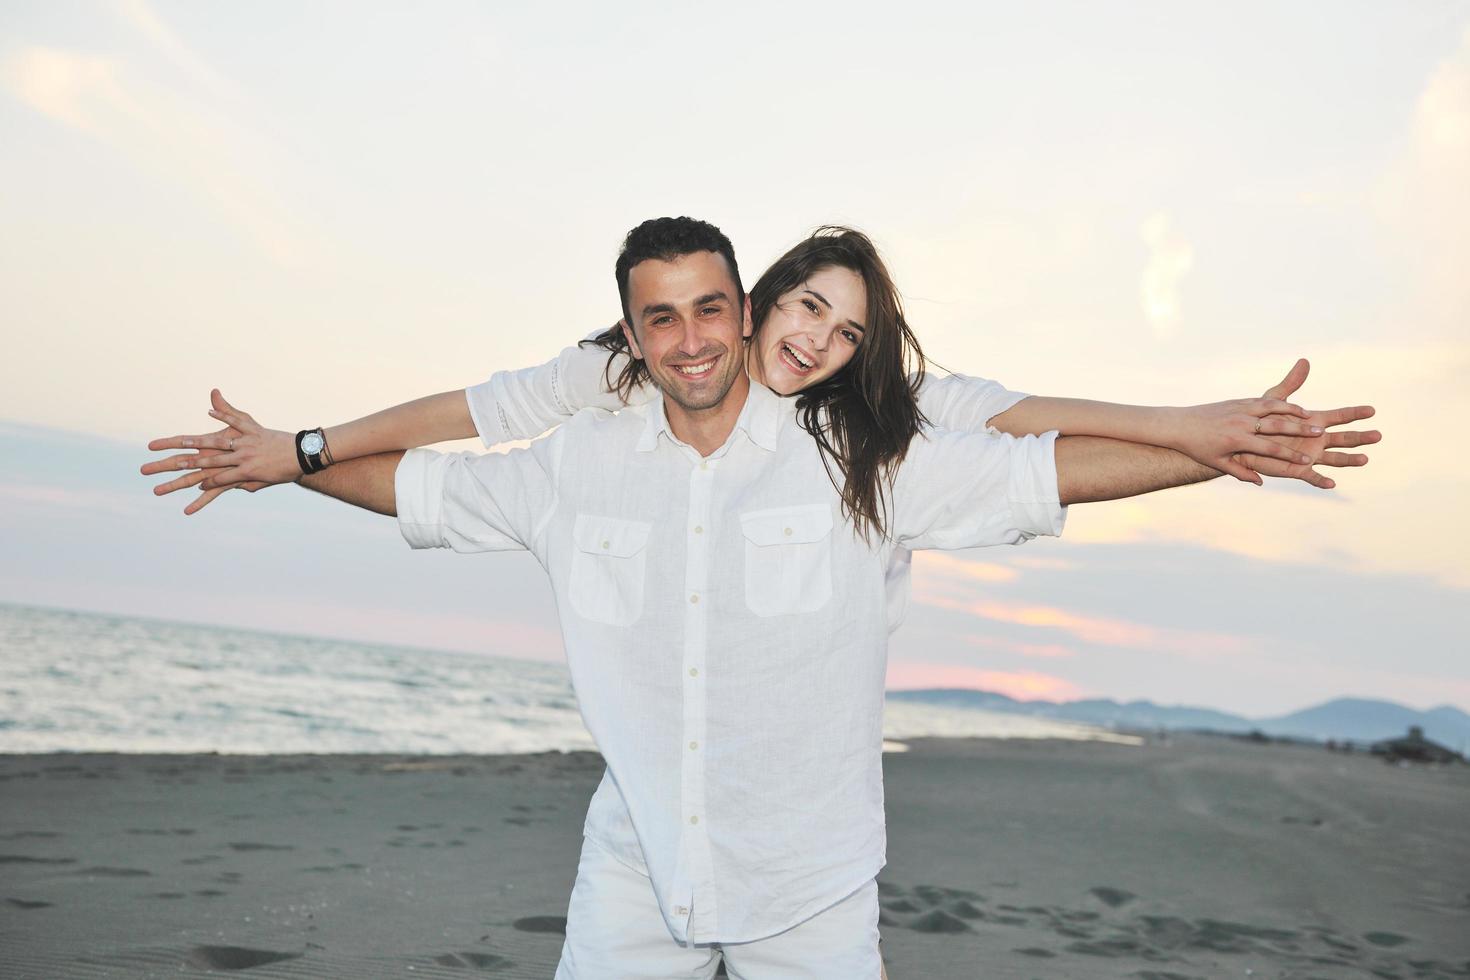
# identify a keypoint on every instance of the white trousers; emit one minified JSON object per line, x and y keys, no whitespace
{"x":615,"y":932}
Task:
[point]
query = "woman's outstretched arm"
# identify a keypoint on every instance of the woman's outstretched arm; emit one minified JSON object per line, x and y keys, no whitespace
{"x":510,"y":405}
{"x":1211,"y":435}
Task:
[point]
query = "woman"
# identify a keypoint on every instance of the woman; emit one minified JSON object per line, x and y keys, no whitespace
{"x":829,"y":328}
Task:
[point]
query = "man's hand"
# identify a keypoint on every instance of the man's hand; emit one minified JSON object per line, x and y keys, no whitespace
{"x":1318,"y":448}
{"x":243,"y":454}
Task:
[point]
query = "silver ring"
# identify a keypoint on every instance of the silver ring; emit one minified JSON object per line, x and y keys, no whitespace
{"x":1258,"y":432}
{"x":232,"y":441}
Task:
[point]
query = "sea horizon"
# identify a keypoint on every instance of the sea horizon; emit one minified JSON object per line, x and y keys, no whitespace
{"x":84,"y":681}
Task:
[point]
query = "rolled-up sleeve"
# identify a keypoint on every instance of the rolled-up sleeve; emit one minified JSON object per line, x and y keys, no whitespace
{"x":962,"y":403}
{"x":471,"y":502}
{"x":969,"y":490}
{"x":524,"y":403}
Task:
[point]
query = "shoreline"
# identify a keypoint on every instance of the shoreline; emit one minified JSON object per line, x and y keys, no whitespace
{"x":1192,"y":856}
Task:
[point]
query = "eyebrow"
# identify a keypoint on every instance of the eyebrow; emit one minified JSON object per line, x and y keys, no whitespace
{"x":654,"y":308}
{"x":852,"y":323}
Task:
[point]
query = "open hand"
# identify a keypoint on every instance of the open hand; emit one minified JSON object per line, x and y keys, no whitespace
{"x":1318,"y":448}
{"x":243,"y":454}
{"x":1216,"y":434}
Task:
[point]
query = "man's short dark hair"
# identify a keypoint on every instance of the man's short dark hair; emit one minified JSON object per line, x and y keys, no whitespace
{"x":667,"y":239}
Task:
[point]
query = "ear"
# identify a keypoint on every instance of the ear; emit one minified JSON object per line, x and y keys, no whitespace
{"x":633,"y":347}
{"x":749,"y":327}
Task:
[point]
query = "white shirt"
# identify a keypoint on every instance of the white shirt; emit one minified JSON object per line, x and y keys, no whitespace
{"x":525,"y":403}
{"x":726,"y":632}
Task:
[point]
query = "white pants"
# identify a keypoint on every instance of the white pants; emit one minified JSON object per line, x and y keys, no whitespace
{"x":615,"y":930}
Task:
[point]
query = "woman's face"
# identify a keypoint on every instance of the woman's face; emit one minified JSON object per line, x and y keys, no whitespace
{"x":811,"y":332}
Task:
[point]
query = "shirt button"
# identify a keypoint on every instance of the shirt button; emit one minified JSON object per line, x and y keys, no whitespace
{"x":693,"y":671}
{"x":704,"y":466}
{"x":694,"y":820}
{"x":788,"y":534}
{"x":693,"y":746}
{"x":694,"y":599}
{"x":607,"y":544}
{"x":698,"y":529}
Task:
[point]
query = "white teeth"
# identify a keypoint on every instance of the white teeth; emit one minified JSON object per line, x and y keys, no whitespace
{"x":695,"y":370}
{"x":797,"y":357}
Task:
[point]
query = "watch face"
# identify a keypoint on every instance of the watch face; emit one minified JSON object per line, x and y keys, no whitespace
{"x":312,"y":443}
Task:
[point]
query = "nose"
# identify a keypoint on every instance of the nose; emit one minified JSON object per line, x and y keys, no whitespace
{"x":691,"y":342}
{"x":819,"y":337}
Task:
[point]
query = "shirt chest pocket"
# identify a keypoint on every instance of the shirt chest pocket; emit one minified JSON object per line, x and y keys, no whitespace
{"x":788,"y":559}
{"x":609,"y":563}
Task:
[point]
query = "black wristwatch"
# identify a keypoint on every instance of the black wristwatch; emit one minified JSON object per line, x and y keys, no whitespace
{"x":311,"y":450}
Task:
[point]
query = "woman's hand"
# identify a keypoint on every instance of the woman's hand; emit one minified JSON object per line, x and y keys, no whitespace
{"x":1214,"y":434}
{"x":1316,"y":446}
{"x":243,"y":454}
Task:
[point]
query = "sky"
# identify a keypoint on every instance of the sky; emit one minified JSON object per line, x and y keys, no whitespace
{"x":327,"y":209}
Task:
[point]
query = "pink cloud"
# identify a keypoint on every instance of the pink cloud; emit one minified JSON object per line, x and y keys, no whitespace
{"x":1021,"y":685}
{"x":1052,"y":650}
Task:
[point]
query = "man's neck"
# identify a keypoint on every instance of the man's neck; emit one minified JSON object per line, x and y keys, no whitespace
{"x":706,"y":429}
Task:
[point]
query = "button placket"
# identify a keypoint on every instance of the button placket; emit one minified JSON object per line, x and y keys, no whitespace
{"x":696,"y":583}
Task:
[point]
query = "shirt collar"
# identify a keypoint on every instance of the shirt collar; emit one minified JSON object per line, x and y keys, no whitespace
{"x":760,"y":418}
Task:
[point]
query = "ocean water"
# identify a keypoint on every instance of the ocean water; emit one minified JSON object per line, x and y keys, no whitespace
{"x":89,"y":682}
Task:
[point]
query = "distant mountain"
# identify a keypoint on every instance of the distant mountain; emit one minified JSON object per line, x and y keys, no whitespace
{"x":1353,"y":719}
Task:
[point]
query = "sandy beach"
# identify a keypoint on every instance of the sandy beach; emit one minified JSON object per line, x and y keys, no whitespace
{"x":1191,"y":857}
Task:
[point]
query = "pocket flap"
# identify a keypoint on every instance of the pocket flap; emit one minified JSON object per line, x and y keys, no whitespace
{"x":609,"y":535}
{"x":787,"y":525}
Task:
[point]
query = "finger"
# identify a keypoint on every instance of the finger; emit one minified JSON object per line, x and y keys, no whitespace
{"x":187,"y":480}
{"x":1262,"y":446}
{"x":1240,"y":471}
{"x":1343,"y":459}
{"x":202,"y":501}
{"x":1280,"y":425}
{"x":1294,"y":379}
{"x":212,"y":440}
{"x":1349,"y":440}
{"x":1342,"y":416}
{"x":183,"y":461}
{"x":219,"y":402}
{"x":224,"y":478}
{"x":1272,"y":467}
{"x":1275,"y":406}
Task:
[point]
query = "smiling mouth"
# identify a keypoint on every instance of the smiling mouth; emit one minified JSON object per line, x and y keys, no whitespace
{"x":697,"y":370}
{"x":795,"y":360}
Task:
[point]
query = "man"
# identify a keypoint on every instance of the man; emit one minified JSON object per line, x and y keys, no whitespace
{"x":726,"y":631}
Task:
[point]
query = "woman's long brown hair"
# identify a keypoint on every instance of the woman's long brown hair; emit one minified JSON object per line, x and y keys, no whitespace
{"x":864,"y":416}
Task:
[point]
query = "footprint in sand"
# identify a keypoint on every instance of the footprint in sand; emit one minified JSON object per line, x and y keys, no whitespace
{"x":29,"y":859}
{"x":106,"y":872}
{"x":542,"y":923}
{"x":476,"y":961}
{"x":1111,"y":897}
{"x":933,"y":909}
{"x":234,"y":957}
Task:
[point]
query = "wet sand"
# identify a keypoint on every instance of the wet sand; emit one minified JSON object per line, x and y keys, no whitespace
{"x":1192,"y":857}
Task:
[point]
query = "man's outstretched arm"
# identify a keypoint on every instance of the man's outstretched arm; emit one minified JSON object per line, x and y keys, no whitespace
{"x":1090,"y":468}
{"x":367,"y":482}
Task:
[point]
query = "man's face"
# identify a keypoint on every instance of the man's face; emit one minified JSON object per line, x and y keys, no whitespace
{"x":688,"y":327}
